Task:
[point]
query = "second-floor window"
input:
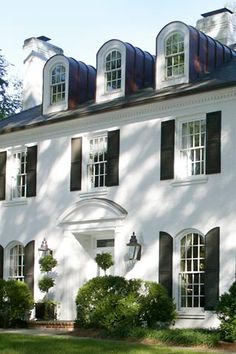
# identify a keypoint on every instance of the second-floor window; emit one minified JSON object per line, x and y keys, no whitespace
{"x":174,"y":55}
{"x":97,"y":166}
{"x":192,"y":147}
{"x":19,"y":174}
{"x":58,"y":84}
{"x":113,"y":71}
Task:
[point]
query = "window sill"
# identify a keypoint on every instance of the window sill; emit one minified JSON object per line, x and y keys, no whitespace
{"x":200,"y":315}
{"x":98,"y":192}
{"x":15,"y":202}
{"x":190,"y":181}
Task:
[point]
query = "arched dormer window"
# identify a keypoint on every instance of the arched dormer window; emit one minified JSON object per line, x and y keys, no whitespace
{"x":113,"y":71}
{"x":58,"y":84}
{"x":174,"y":55}
{"x":55,"y":84}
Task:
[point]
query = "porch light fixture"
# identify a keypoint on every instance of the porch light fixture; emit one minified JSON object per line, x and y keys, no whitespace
{"x":44,"y":249}
{"x":134,"y":248}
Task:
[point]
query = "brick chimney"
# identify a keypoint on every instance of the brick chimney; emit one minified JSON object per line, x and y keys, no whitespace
{"x":37,"y":51}
{"x":219,"y":24}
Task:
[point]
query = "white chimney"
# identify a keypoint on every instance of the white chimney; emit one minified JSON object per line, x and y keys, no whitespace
{"x":37,"y":51}
{"x":219,"y":24}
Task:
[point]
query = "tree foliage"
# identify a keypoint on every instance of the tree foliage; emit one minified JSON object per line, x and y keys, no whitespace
{"x":10,"y":91}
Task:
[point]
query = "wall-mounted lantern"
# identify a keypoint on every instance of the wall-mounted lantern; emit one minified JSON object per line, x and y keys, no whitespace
{"x":44,"y":249}
{"x":134,"y":248}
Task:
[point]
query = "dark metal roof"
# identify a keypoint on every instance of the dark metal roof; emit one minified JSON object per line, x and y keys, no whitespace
{"x":222,"y":77}
{"x":215,"y":12}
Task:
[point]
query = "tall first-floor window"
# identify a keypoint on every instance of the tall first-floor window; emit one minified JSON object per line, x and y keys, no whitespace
{"x":16,"y":262}
{"x":192,"y":271}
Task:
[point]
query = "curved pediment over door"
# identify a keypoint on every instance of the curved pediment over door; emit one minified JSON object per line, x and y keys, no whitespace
{"x":92,"y":213}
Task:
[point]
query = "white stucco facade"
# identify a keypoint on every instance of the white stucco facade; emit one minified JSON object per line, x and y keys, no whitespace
{"x":71,"y":221}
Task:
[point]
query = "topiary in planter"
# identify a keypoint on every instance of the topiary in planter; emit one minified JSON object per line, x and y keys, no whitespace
{"x":104,"y":261}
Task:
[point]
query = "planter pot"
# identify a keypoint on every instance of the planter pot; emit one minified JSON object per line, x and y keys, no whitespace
{"x":45,"y":311}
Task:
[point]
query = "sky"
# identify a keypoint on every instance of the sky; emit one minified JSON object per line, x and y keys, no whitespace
{"x":80,"y":28}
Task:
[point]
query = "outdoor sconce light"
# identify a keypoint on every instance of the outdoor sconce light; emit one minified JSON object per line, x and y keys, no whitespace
{"x":134,"y":248}
{"x":44,"y":249}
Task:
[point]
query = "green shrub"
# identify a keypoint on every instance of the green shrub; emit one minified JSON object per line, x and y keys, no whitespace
{"x":156,"y":306}
{"x":15,"y":302}
{"x":118,"y":305}
{"x":226,"y":311}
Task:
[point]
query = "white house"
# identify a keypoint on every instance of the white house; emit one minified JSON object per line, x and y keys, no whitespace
{"x":142,"y":144}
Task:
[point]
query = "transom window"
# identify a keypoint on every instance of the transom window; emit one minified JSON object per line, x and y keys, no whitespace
{"x":16,"y":259}
{"x":192,"y":266}
{"x":19,"y":176}
{"x":192,"y":151}
{"x":174,"y":55}
{"x":97,"y":166}
{"x":58,"y":84}
{"x":113,"y":71}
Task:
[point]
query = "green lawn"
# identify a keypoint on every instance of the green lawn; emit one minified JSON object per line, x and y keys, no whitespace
{"x":36,"y":344}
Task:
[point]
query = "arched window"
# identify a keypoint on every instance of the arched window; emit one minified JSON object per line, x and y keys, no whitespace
{"x":16,"y":262}
{"x":113,"y":71}
{"x":174,"y":55}
{"x":58,"y":84}
{"x":192,"y":271}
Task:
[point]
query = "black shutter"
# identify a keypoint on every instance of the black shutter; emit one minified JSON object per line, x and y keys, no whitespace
{"x":31,"y":170}
{"x":213,"y":142}
{"x":166,"y":261}
{"x":3,"y":159}
{"x":113,"y":152}
{"x":167,"y":149}
{"x":76,"y":164}
{"x":29,"y":265}
{"x":212,"y":254}
{"x":1,"y":261}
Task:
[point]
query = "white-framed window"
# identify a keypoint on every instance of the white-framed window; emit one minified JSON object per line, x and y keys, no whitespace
{"x":58,"y":84}
{"x":190,"y":159}
{"x":55,"y":84}
{"x":19,"y":175}
{"x":191,"y":271}
{"x":97,"y":164}
{"x":174,"y":55}
{"x":14,"y":260}
{"x":113,"y":71}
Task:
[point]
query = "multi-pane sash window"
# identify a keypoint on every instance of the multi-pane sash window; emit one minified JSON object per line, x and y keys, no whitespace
{"x":174,"y":55}
{"x":16,"y":269}
{"x":58,"y":85}
{"x":113,"y":71}
{"x":97,"y":161}
{"x":19,"y":176}
{"x":192,"y":151}
{"x":192,"y":266}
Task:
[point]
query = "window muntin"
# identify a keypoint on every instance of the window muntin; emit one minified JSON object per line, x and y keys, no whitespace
{"x":19,"y":176}
{"x":97,"y":165}
{"x":192,"y":147}
{"x":16,"y":262}
{"x":58,"y":84}
{"x":174,"y":56}
{"x":113,"y":71}
{"x":192,"y":275}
